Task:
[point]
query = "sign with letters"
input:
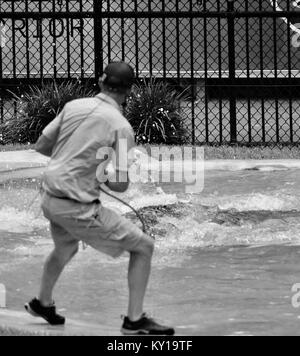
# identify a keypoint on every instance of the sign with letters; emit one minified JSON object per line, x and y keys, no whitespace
{"x":2,"y":296}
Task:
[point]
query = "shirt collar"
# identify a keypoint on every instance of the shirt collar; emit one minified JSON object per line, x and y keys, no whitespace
{"x":108,"y":100}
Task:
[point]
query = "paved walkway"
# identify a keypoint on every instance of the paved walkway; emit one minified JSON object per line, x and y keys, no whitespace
{"x":21,"y":322}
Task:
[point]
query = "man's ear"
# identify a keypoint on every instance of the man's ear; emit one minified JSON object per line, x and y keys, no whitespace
{"x":100,"y":83}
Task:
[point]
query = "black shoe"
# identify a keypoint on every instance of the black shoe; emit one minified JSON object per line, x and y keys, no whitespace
{"x":145,"y":326}
{"x":35,"y":308}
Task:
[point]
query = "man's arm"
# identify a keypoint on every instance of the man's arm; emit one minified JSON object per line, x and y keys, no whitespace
{"x":47,"y":141}
{"x":44,"y":146}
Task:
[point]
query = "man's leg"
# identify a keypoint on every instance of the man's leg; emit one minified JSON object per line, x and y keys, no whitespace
{"x":65,"y":249}
{"x":137,"y":322}
{"x":138,"y":276}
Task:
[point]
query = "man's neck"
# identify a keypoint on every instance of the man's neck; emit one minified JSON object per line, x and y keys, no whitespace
{"x":119,"y":98}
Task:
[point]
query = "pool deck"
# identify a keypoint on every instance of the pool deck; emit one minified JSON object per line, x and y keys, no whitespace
{"x":18,"y":322}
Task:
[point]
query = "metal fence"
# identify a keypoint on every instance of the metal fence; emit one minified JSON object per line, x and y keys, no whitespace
{"x":240,"y":60}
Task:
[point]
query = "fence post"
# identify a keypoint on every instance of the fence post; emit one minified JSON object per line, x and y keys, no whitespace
{"x":98,"y":39}
{"x":232,"y":67}
{"x":2,"y":44}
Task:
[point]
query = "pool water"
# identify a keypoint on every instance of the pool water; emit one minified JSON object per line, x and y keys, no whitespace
{"x":225,"y":263}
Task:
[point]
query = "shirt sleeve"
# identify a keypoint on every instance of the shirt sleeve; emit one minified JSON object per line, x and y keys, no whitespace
{"x":52,"y":130}
{"x":124,"y":149}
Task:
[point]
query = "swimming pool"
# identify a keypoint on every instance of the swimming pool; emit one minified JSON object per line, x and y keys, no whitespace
{"x":225,"y":262}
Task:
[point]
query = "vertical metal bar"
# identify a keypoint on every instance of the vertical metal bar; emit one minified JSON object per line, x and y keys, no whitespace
{"x":261,"y":35}
{"x":53,"y":22}
{"x":136,"y":23}
{"x":2,"y":110}
{"x":231,"y":54}
{"x":193,"y":82}
{"x":164,"y":41}
{"x":1,"y":62}
{"x":219,"y":41}
{"x":14,"y":44}
{"x":290,"y":77}
{"x":109,"y":32}
{"x":40,"y":36}
{"x":248,"y":72}
{"x":81,"y":42}
{"x":27,"y":43}
{"x":15,"y":108}
{"x":276,"y":73}
{"x":1,"y":107}
{"x":150,"y":41}
{"x":68,"y":41}
{"x":220,"y":74}
{"x":206,"y":76}
{"x":122,"y":31}
{"x":98,"y":39}
{"x":178,"y":42}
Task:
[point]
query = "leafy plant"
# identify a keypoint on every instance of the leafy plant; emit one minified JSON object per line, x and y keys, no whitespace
{"x":153,"y":110}
{"x":37,"y":108}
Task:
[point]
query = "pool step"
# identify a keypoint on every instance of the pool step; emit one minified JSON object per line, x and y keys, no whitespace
{"x":17,"y":322}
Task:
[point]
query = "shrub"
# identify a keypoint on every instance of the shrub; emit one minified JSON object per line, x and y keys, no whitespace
{"x":153,"y":110}
{"x":37,"y":108}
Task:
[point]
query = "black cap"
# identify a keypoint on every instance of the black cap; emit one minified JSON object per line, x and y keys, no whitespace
{"x":118,"y":75}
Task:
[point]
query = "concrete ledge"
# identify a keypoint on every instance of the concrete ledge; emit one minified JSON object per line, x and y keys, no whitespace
{"x":22,"y":323}
{"x":27,"y":156}
{"x":18,"y":160}
{"x":240,"y":165}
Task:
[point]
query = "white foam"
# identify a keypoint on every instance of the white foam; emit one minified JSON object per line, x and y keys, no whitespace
{"x":16,"y":221}
{"x":140,"y":200}
{"x":187,"y":234}
{"x":258,"y":201}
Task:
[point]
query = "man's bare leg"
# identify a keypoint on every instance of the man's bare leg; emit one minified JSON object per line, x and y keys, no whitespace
{"x":53,"y":268}
{"x":138,"y":277}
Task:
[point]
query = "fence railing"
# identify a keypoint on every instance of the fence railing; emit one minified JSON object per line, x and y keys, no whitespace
{"x":240,"y":60}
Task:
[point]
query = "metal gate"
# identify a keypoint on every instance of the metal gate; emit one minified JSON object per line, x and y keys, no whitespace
{"x":238,"y":59}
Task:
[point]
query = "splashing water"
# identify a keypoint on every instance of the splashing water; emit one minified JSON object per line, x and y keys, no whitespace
{"x":204,"y":280}
{"x":255,"y":219}
{"x":274,"y":202}
{"x":16,"y":221}
{"x":201,"y":221}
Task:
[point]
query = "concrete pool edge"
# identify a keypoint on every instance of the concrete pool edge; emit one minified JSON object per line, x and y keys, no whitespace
{"x":19,"y":323}
{"x":31,"y":159}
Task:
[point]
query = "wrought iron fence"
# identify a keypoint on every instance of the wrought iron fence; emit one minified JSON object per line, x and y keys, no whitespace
{"x":239,"y":59}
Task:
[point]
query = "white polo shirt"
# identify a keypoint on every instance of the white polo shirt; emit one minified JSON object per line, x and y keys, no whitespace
{"x":81,"y":133}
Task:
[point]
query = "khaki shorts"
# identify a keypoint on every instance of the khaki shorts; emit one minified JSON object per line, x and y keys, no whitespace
{"x":95,"y":225}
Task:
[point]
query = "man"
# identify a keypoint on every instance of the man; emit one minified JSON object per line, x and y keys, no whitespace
{"x":77,"y":141}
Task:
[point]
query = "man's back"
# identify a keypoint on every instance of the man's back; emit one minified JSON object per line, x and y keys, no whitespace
{"x":81,"y":129}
